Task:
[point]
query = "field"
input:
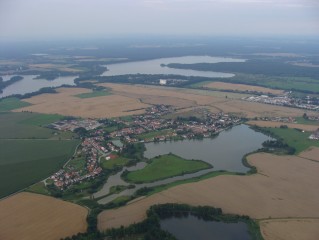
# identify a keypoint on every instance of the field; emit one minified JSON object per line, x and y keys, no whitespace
{"x":276,"y":191}
{"x":93,"y":94}
{"x":240,"y":87}
{"x":66,"y":103}
{"x":271,"y":81}
{"x":9,"y":104}
{"x":59,"y":67}
{"x":110,"y":164}
{"x":31,"y":216}
{"x":29,"y":152}
{"x":38,"y":188}
{"x":305,"y":127}
{"x":28,"y":125}
{"x":25,"y":162}
{"x":294,"y":138}
{"x":301,"y":120}
{"x":292,"y":229}
{"x":165,"y":166}
{"x":133,"y":99}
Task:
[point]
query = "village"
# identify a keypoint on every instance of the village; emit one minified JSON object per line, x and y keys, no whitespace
{"x":98,"y":142}
{"x":287,"y":101}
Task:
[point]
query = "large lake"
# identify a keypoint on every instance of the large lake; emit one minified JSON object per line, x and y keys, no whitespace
{"x":154,"y":66}
{"x":224,"y":152}
{"x":29,"y":84}
{"x":190,"y":228}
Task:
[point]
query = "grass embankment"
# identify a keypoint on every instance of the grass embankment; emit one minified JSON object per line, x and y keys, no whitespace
{"x":191,"y":180}
{"x":9,"y":104}
{"x":165,"y":166}
{"x":294,"y":138}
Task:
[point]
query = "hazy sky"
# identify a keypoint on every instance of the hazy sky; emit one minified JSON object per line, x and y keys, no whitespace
{"x":106,"y":18}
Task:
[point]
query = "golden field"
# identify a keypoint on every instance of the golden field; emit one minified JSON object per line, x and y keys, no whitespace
{"x":290,"y":229}
{"x":305,"y":127}
{"x":133,"y":99}
{"x":31,"y":216}
{"x":66,"y":103}
{"x":241,"y":87}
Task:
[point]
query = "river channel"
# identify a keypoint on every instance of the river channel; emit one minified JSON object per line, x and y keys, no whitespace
{"x":224,"y":152}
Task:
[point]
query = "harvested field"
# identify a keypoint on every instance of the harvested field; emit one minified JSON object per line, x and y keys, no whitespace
{"x":66,"y":103}
{"x":50,"y":66}
{"x":31,"y":216}
{"x":241,"y":87}
{"x":311,"y":153}
{"x":285,"y":187}
{"x":292,"y":229}
{"x":133,"y":99}
{"x":252,"y":109}
{"x":159,"y":93}
{"x":308,"y":128}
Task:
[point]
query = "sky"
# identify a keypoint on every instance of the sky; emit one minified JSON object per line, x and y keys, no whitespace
{"x":46,"y":19}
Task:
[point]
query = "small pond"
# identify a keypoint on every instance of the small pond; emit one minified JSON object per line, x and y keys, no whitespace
{"x":190,"y":228}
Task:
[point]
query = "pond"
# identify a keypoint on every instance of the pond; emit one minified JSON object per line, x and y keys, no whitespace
{"x":154,"y":66}
{"x":224,"y":152}
{"x":190,"y":228}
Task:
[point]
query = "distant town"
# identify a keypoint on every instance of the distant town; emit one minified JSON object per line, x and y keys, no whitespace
{"x":287,"y":100}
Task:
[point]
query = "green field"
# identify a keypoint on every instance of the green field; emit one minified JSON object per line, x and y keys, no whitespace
{"x":112,"y":163}
{"x":93,"y":94}
{"x":38,"y":188}
{"x":166,"y":166}
{"x":37,"y":119}
{"x":274,"y":82}
{"x":25,"y":162}
{"x":9,"y":104}
{"x":301,"y":120}
{"x":294,"y":138}
{"x":28,"y":125}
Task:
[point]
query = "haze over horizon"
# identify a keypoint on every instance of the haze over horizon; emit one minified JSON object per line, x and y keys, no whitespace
{"x":58,"y":19}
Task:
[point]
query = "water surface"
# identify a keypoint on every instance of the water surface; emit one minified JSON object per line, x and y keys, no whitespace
{"x":154,"y":66}
{"x":224,"y":152}
{"x":190,"y":228}
{"x":29,"y":84}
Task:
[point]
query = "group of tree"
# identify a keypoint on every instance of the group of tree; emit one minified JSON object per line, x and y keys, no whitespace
{"x":12,"y":80}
